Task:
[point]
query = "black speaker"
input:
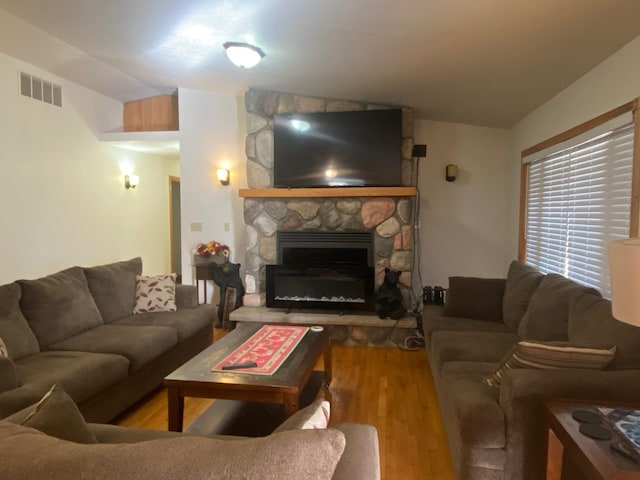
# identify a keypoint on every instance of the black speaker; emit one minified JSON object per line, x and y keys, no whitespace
{"x":419,"y":151}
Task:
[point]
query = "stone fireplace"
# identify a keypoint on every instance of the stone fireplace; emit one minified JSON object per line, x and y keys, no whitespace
{"x":386,"y":219}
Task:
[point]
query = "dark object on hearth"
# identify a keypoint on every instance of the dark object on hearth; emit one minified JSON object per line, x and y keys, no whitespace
{"x":427,"y":295}
{"x":438,"y":295}
{"x":227,"y":277}
{"x":389,"y":297}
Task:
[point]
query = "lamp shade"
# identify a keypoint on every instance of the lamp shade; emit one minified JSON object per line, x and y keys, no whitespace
{"x":624,"y":267}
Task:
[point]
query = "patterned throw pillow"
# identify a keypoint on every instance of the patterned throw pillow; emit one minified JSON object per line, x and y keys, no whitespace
{"x":3,"y":349}
{"x":155,"y":294}
{"x":550,"y":356}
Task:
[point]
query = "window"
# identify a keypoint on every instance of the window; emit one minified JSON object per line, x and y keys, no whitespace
{"x":578,"y":198}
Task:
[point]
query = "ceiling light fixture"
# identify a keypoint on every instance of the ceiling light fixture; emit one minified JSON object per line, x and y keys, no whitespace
{"x":242,"y":54}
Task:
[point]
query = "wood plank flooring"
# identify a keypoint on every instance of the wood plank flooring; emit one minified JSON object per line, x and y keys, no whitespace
{"x":389,"y":388}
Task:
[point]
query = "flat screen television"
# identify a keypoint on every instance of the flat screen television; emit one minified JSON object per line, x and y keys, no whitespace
{"x":338,"y":149}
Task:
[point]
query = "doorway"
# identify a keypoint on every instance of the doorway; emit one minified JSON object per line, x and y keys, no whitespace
{"x":174,"y":227}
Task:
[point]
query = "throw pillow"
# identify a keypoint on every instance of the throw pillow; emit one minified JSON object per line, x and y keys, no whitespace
{"x":59,"y":306}
{"x":57,"y":415}
{"x":155,"y":294}
{"x":591,"y":323}
{"x":113,"y":287}
{"x":292,"y":455}
{"x":312,"y":416}
{"x":547,"y":317}
{"x":552,"y":355}
{"x":18,"y":337}
{"x":522,"y":282}
{"x":478,"y":298}
{"x":3,"y":349}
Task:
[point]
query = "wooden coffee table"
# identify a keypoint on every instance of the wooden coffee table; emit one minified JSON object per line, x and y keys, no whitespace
{"x":195,"y":378}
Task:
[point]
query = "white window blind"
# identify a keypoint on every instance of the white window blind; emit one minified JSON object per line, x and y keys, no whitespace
{"x":578,"y":200}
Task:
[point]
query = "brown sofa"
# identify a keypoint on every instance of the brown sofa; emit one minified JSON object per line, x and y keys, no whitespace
{"x":51,"y":440}
{"x":76,"y":328}
{"x":493,"y":416}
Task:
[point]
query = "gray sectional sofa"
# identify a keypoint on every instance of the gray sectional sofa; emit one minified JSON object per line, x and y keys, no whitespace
{"x":490,"y":399}
{"x":51,"y":440}
{"x":76,"y":328}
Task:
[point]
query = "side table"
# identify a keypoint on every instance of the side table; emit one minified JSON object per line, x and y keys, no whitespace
{"x":585,"y":458}
{"x":203,"y":273}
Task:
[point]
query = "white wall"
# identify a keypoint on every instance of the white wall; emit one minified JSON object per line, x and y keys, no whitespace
{"x":63,"y":200}
{"x":211,"y":135}
{"x":462,"y":223}
{"x":612,"y":83}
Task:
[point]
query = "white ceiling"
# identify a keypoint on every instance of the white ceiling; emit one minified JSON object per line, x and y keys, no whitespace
{"x":483,"y":62}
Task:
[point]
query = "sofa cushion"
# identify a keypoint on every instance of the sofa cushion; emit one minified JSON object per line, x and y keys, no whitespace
{"x":547,"y":317}
{"x":471,"y":297}
{"x":82,"y":375}
{"x":315,"y":415}
{"x":14,"y":329}
{"x":591,"y":323}
{"x":57,"y":415}
{"x":434,"y":321}
{"x":470,"y":346}
{"x":474,"y":406}
{"x":522,"y":281}
{"x":290,"y":455}
{"x":59,"y":306}
{"x":155,"y":294}
{"x":551,"y":356}
{"x":8,"y":374}
{"x":139,"y":344}
{"x":186,"y":322}
{"x":113,"y":287}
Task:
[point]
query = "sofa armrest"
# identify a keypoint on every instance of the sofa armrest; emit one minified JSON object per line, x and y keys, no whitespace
{"x":186,"y":296}
{"x":8,"y":375}
{"x":361,"y":457}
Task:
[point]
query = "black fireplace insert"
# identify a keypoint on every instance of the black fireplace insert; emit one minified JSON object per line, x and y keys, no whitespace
{"x":322,"y":270}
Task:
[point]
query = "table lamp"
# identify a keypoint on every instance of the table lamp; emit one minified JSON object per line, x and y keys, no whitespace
{"x":624,"y":267}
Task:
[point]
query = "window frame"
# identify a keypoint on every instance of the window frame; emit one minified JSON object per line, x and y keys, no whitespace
{"x":632,"y":107}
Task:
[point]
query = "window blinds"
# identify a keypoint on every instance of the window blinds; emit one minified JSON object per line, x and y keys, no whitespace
{"x":578,"y":200}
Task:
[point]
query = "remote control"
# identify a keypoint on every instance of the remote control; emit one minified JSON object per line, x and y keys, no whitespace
{"x":236,"y":366}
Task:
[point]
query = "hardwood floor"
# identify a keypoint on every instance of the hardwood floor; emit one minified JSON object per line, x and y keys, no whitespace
{"x":389,"y":388}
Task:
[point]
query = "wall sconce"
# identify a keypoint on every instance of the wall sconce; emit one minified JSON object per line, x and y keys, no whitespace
{"x":451,"y":172}
{"x":223,"y":176}
{"x":131,"y":181}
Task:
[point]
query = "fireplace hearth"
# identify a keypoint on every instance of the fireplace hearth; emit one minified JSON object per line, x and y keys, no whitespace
{"x":322,"y":270}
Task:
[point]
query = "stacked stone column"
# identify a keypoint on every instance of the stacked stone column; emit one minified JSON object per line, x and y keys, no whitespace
{"x":390,"y":218}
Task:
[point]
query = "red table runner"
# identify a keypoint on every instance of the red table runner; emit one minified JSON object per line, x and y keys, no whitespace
{"x":269,"y":347}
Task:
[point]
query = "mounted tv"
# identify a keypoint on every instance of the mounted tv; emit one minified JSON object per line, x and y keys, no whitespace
{"x":338,"y":149}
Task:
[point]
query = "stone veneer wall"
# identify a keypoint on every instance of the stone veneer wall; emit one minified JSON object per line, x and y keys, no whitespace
{"x":389,"y":218}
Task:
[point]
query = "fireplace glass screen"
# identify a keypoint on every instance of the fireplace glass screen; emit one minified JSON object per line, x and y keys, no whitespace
{"x":342,"y":287}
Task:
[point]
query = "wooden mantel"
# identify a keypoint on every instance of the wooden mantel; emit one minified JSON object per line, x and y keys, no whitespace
{"x":327,"y":192}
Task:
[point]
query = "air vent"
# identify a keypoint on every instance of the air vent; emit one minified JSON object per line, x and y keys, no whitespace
{"x":39,"y":89}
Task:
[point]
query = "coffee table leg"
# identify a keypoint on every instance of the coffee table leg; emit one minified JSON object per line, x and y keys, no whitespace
{"x":328,"y":371}
{"x":176,"y":409}
{"x":291,"y":405}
